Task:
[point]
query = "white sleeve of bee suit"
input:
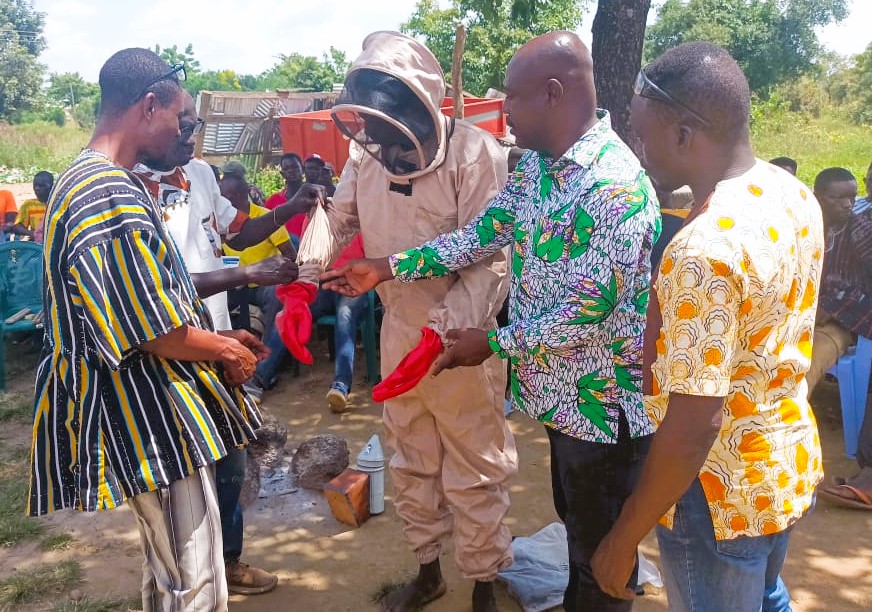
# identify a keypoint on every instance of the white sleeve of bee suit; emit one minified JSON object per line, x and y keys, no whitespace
{"x":332,"y":227}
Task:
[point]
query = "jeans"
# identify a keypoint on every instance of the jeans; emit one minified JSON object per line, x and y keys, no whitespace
{"x":705,"y":575}
{"x":864,"y":443}
{"x":266,"y":299}
{"x":590,"y":482}
{"x":229,"y":476}
{"x":266,"y":372}
{"x":347,"y":311}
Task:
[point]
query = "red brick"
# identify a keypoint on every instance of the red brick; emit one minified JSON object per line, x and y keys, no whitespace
{"x":348,"y":496}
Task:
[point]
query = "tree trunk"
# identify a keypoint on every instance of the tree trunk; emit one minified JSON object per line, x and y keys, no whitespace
{"x":618,"y":34}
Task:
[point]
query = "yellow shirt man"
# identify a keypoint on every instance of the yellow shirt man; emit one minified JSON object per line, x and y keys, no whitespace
{"x":758,"y":244}
{"x":278,"y":243}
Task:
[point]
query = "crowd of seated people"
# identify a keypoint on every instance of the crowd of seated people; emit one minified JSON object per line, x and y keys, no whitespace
{"x":25,"y":222}
{"x":263,"y":302}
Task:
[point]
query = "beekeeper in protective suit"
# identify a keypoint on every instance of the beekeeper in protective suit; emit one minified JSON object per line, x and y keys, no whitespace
{"x":414,"y":174}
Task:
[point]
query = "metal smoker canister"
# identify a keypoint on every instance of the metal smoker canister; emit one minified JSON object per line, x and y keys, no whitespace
{"x":372,"y":461}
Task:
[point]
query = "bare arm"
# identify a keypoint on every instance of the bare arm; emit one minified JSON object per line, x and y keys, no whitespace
{"x":188,"y":343}
{"x":679,"y":449}
{"x":258,"y":229}
{"x":272,"y":271}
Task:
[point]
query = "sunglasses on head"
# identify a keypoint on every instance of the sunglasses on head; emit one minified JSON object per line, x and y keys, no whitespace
{"x":177,"y":71}
{"x":646,"y":88}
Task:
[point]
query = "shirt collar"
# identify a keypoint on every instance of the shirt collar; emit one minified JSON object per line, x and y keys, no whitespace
{"x":587,"y":147}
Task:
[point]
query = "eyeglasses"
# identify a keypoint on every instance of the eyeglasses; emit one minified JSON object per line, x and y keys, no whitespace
{"x":646,"y":88}
{"x":177,"y":70}
{"x":193,"y":129}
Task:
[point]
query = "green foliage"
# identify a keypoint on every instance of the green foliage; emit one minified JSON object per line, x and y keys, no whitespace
{"x":172,"y":56}
{"x":69,"y":88}
{"x":40,"y":146}
{"x":71,"y":92}
{"x":213,"y":80}
{"x":294,"y":71}
{"x":269,"y":179}
{"x":815,"y":143}
{"x":21,"y":42}
{"x":772,"y":40}
{"x":306,"y":72}
{"x":495,"y":30}
{"x":853,"y":87}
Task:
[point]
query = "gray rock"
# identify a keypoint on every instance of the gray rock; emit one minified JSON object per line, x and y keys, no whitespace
{"x":318,"y":460}
{"x":267,"y":451}
{"x":269,"y":448}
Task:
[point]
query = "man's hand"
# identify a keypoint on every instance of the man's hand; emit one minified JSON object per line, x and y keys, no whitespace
{"x":276,"y":270}
{"x":822,"y":317}
{"x":613,"y":564}
{"x":249,"y":341}
{"x":307,"y":197}
{"x":238,"y":361}
{"x":463,"y":348}
{"x":357,"y":276}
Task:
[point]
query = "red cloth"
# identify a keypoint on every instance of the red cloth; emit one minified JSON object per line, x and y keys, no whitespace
{"x":296,"y":223}
{"x":294,"y":322}
{"x":411,"y":369}
{"x":353,"y":251}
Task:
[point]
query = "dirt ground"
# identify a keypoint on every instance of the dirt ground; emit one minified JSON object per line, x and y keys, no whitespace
{"x":21,"y":191}
{"x":324,"y":565}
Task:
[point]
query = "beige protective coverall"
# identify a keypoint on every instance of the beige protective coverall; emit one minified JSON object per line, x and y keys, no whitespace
{"x":453,"y":449}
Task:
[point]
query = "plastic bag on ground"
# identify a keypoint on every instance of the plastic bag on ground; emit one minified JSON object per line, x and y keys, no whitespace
{"x":540,"y":574}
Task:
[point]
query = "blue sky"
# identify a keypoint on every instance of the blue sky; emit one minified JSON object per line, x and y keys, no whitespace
{"x":249,"y":36}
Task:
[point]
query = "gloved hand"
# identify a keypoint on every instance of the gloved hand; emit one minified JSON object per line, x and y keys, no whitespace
{"x":411,"y":369}
{"x":294,"y":322}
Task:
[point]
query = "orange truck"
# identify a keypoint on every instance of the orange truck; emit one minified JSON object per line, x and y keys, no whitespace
{"x":315,"y":132}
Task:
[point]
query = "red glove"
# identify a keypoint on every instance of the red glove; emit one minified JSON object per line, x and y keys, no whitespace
{"x":411,"y":369}
{"x":294,"y":322}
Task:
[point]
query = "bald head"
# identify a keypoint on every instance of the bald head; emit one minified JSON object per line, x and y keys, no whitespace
{"x":551,"y":97}
{"x":557,"y":55}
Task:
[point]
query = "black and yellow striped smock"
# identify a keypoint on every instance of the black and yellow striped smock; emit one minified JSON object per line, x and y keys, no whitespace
{"x":111,"y":421}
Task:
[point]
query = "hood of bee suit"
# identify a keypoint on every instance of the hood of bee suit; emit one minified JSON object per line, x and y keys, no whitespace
{"x":390,"y":105}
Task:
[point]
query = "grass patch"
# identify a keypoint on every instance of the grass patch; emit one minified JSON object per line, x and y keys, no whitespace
{"x":98,"y":605}
{"x":15,"y":526}
{"x":40,"y":583}
{"x":57,"y":541}
{"x":815,"y":143}
{"x":15,"y":407}
{"x":40,"y":146}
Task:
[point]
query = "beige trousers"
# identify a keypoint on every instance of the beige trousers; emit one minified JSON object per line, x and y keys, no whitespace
{"x":453,"y":456}
{"x":831,"y":340}
{"x":180,"y":532}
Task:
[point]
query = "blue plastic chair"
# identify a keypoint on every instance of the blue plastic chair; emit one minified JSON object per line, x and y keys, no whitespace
{"x":20,"y":287}
{"x":367,"y":326}
{"x":852,"y":370}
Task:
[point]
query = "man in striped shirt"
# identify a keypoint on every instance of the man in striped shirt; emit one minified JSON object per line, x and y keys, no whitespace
{"x":845,"y":310}
{"x":136,"y":396}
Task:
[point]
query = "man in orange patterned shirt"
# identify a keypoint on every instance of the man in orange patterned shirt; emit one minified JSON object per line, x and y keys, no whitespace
{"x":730,"y":323}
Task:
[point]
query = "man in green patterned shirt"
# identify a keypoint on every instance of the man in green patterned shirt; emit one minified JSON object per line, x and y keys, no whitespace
{"x":583,"y":217}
